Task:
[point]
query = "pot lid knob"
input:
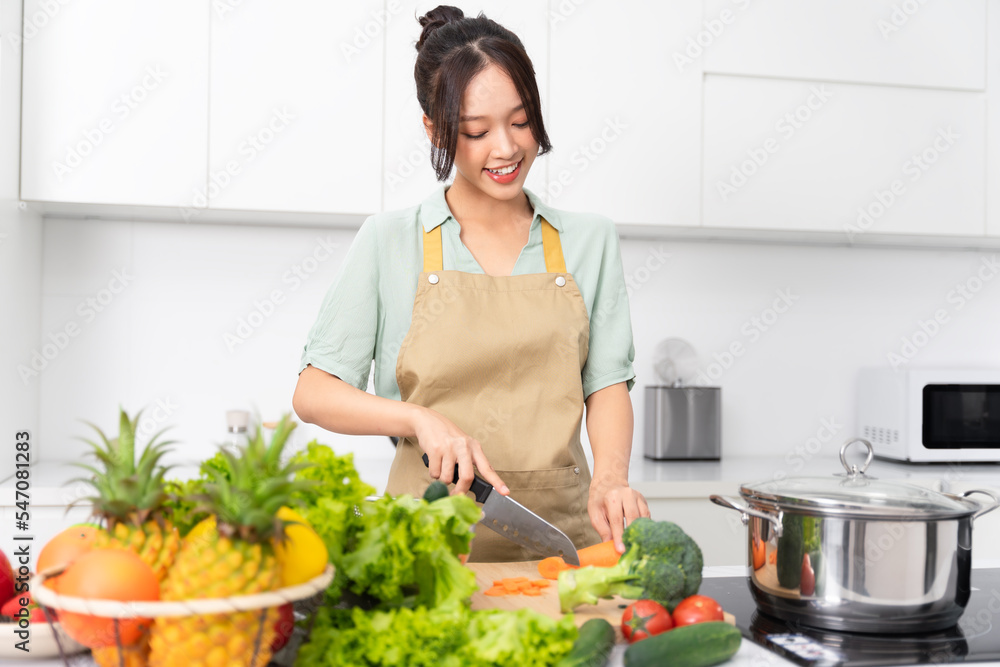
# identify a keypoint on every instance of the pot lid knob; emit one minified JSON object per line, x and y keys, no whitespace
{"x":852,"y":469}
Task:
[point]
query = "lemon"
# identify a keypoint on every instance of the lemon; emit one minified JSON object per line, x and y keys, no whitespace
{"x":303,"y":555}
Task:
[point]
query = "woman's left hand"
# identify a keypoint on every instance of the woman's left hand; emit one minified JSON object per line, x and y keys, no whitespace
{"x":613,"y":505}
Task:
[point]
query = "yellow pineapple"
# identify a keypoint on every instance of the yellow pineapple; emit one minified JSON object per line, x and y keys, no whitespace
{"x":232,"y":555}
{"x":129,"y":502}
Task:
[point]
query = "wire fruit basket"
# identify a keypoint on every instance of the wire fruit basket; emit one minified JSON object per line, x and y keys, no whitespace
{"x":118,"y":610}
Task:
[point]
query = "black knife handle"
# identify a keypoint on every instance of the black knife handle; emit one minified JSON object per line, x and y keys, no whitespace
{"x":480,"y":487}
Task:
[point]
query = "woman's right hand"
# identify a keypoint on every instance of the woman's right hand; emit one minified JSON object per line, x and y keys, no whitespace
{"x":445,"y":445}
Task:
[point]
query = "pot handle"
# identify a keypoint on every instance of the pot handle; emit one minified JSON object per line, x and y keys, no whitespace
{"x":746,"y":513}
{"x":996,"y":501}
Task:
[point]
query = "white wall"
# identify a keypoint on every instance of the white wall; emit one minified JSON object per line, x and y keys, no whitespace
{"x":162,"y":338}
{"x":20,"y":258}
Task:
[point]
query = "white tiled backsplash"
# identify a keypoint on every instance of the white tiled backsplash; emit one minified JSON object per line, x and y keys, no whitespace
{"x":781,"y":328}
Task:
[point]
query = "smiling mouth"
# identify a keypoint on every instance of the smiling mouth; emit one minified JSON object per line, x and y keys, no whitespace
{"x":505,"y":170}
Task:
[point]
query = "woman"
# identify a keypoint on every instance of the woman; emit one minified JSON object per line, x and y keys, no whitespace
{"x":487,"y":339}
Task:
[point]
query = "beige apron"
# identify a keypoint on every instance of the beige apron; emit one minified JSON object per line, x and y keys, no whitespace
{"x":501,"y":357}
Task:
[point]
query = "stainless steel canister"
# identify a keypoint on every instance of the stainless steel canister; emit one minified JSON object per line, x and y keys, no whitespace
{"x":851,"y":552}
{"x":683,"y":423}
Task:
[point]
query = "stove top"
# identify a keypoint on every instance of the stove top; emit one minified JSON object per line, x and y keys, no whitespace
{"x":973,"y":639}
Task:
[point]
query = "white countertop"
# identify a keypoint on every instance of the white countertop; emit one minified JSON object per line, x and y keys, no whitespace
{"x":655,"y":479}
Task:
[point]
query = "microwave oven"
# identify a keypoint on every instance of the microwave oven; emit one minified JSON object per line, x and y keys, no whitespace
{"x":930,"y":415}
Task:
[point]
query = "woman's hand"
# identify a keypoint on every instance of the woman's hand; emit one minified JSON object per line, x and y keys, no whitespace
{"x":445,"y":445}
{"x":613,"y":505}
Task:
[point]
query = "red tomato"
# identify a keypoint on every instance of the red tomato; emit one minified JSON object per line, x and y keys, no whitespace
{"x":284,"y":627}
{"x":697,"y":609}
{"x":645,"y":618}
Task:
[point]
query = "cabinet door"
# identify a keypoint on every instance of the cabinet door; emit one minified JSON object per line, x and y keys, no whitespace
{"x":408,"y":177}
{"x":296,"y":106}
{"x":115,"y":101}
{"x":801,"y":155}
{"x":897,"y":42}
{"x":626,"y":112}
{"x":993,"y":126}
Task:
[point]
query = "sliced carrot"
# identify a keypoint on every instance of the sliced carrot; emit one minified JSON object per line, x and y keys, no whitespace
{"x":772,"y":557}
{"x":599,"y":555}
{"x":532,"y":591}
{"x":540,"y":583}
{"x":495,"y":591}
{"x":498,"y":582}
{"x":510,"y":585}
{"x":552,"y":566}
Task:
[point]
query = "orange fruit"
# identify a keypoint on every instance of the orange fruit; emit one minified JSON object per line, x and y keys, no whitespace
{"x":62,"y":549}
{"x":107,"y":574}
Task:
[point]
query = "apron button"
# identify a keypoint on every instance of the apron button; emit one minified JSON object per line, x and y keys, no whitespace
{"x":433,"y":279}
{"x":576,"y":471}
{"x":560,"y":281}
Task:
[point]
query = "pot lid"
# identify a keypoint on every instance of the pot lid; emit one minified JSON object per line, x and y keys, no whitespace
{"x":856,"y":495}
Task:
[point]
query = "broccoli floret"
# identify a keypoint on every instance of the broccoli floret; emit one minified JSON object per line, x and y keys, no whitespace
{"x":661,"y":562}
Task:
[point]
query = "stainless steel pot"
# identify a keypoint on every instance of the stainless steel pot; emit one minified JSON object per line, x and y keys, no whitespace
{"x":850,"y":552}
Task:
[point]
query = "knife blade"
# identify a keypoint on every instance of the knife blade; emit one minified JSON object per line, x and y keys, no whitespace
{"x":509,"y":518}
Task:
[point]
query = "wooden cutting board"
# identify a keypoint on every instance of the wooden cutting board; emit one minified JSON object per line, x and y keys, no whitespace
{"x":548,"y":602}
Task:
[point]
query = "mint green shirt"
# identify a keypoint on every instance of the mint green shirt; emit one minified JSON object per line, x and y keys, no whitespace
{"x":367,"y":311}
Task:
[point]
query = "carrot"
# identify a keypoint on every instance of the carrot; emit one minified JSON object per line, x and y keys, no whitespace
{"x":495,"y":591}
{"x":599,"y":555}
{"x":772,"y":557}
{"x":552,"y":566}
{"x":532,"y":591}
{"x":540,"y":583}
{"x":511,"y":586}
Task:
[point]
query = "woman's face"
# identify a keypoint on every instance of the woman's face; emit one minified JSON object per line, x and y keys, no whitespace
{"x":495,"y":146}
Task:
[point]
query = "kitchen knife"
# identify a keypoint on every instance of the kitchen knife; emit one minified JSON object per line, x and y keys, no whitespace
{"x":517,"y":523}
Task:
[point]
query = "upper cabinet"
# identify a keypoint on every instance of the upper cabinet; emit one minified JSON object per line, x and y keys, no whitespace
{"x":115,"y":101}
{"x":852,"y":159}
{"x":897,"y":42}
{"x":296,"y":106}
{"x":625,"y":112}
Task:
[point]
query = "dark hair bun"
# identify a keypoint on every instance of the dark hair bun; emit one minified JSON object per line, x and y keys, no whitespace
{"x":436,"y":18}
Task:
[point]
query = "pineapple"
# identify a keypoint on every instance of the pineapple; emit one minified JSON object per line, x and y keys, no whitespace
{"x":129,"y":502}
{"x":230,"y":555}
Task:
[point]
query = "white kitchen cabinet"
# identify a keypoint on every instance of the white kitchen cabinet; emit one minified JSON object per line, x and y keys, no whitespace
{"x":896,"y":42}
{"x":296,"y":106}
{"x":814,"y":156}
{"x":408,"y":178}
{"x":626,"y":117}
{"x":115,"y":101}
{"x":993,"y":126}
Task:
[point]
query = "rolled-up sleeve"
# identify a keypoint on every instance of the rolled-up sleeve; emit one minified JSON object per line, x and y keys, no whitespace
{"x":612,"y":351}
{"x":342,"y":341}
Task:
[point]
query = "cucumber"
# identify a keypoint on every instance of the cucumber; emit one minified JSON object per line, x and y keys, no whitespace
{"x":697,"y":645}
{"x":592,"y":647}
{"x":436,"y":491}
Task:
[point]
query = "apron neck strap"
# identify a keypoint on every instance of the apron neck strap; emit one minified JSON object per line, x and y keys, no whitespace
{"x":554,"y":260}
